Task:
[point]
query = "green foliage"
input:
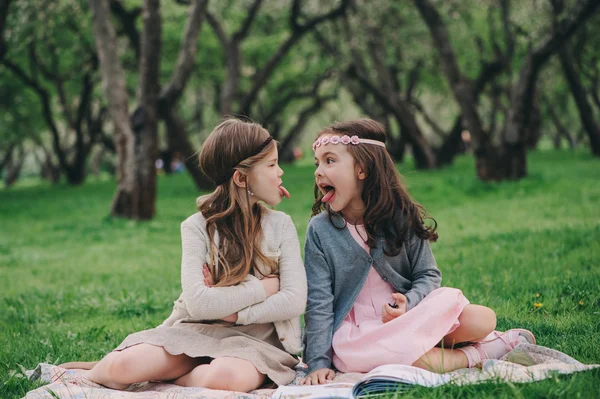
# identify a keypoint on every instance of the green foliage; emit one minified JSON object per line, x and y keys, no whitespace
{"x":74,"y":283}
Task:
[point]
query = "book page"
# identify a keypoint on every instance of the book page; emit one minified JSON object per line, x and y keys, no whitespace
{"x":406,"y":374}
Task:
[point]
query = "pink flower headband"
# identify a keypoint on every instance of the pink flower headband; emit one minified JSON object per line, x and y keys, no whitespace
{"x":345,"y":139}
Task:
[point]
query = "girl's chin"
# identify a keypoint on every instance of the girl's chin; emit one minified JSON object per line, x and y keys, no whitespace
{"x":273,"y":201}
{"x":334,"y":207}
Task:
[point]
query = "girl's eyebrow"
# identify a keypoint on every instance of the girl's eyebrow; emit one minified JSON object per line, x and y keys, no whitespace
{"x":327,"y":153}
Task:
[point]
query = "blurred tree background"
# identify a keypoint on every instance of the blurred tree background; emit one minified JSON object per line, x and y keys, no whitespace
{"x":120,"y":86}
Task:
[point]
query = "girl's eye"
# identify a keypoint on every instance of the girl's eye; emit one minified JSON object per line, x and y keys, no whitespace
{"x":316,"y":164}
{"x":330,"y":160}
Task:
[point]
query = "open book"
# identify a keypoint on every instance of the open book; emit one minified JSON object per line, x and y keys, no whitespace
{"x":383,"y":379}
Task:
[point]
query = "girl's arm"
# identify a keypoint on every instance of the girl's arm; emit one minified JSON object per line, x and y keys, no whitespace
{"x":290,"y":301}
{"x":425,"y":273}
{"x":211,"y":303}
{"x":319,"y":316}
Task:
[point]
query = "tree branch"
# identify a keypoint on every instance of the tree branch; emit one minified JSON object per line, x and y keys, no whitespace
{"x":44,"y":97}
{"x":85,"y":96}
{"x":281,"y":104}
{"x":243,"y":31}
{"x":462,"y":88}
{"x":128,"y":22}
{"x":4,"y":5}
{"x":298,"y":31}
{"x":187,"y":55}
{"x":564,"y":28}
{"x":218,"y":29}
{"x":522,"y":97}
{"x":428,"y":119}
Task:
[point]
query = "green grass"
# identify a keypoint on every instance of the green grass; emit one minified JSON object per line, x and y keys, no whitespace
{"x":74,"y":283}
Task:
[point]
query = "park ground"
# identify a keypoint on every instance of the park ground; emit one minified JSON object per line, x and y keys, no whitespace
{"x":74,"y":282}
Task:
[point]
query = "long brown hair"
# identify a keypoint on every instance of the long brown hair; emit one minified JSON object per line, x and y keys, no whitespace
{"x":232,"y":145}
{"x":389,"y":210}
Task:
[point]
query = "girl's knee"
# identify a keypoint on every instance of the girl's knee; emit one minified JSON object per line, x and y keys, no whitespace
{"x":225,"y":375}
{"x":490,"y":317}
{"x":486,"y":321}
{"x":478,"y":320}
{"x":221,"y":377}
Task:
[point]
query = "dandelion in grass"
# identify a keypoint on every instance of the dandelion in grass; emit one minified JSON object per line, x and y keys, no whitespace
{"x":538,"y":305}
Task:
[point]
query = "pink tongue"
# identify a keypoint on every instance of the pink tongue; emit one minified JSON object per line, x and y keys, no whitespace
{"x":327,"y":197}
{"x":284,"y":192}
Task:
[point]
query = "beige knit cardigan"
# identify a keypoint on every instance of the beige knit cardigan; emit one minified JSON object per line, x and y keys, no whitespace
{"x":248,"y":298}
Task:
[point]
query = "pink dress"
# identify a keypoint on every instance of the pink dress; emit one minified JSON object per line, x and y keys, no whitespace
{"x":364,"y":342}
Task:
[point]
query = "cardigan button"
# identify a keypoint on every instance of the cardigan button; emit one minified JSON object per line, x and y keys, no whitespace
{"x":370,"y":259}
{"x":282,"y":339}
{"x":384,"y":278}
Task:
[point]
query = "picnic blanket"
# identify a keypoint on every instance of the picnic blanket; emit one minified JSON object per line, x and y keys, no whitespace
{"x":525,"y":363}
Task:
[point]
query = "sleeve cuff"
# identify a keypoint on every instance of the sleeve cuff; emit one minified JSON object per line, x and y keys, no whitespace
{"x":243,"y":316}
{"x":411,"y":300}
{"x":259,"y":296}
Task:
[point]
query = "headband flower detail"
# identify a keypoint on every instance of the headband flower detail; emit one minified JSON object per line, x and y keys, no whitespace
{"x":345,"y":139}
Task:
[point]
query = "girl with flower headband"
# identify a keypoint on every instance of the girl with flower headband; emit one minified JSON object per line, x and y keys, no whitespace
{"x":237,"y":321}
{"x":373,"y":283}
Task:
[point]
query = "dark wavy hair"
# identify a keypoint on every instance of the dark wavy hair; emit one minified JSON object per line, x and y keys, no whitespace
{"x":389,"y":210}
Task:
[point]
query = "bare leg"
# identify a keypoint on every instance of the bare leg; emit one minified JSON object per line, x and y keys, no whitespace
{"x":476,"y":322}
{"x":441,"y":360}
{"x":80,"y":367}
{"x":224,"y":373}
{"x":140,"y":363}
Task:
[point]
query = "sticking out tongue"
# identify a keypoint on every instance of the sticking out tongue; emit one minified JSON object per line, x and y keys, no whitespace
{"x":328,"y":196}
{"x":284,"y":192}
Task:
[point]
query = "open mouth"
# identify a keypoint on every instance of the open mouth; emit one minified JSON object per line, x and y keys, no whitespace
{"x":328,"y":192}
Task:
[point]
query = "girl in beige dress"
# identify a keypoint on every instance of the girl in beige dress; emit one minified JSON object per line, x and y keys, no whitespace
{"x":236,"y":323}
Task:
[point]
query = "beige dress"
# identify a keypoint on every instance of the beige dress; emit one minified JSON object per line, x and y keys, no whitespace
{"x":257,"y":343}
{"x":267,"y":332}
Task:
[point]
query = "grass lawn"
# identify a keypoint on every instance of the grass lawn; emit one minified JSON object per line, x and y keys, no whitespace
{"x":74,"y":283}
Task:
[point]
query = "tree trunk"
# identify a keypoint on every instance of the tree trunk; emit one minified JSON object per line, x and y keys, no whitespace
{"x":560,"y":128}
{"x":7,"y":156}
{"x":178,"y":142}
{"x":586,"y":113}
{"x":4,"y":5}
{"x":452,"y":145}
{"x":13,"y":167}
{"x":135,"y":195}
{"x":145,"y":118}
{"x":533,"y":132}
{"x":510,"y":160}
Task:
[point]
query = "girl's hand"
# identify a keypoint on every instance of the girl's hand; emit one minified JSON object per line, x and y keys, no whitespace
{"x":209,"y":281}
{"x":270,"y":284}
{"x":231,"y":318}
{"x":320,"y":376}
{"x":389,"y":313}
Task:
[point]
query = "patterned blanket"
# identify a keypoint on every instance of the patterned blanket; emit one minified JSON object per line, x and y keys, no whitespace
{"x":526,"y":363}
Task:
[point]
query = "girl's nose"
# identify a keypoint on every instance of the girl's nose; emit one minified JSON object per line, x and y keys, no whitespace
{"x":280,"y":171}
{"x":318,"y":171}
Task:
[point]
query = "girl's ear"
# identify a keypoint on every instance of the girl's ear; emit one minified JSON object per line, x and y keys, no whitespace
{"x":239,"y":179}
{"x":360,"y":172}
